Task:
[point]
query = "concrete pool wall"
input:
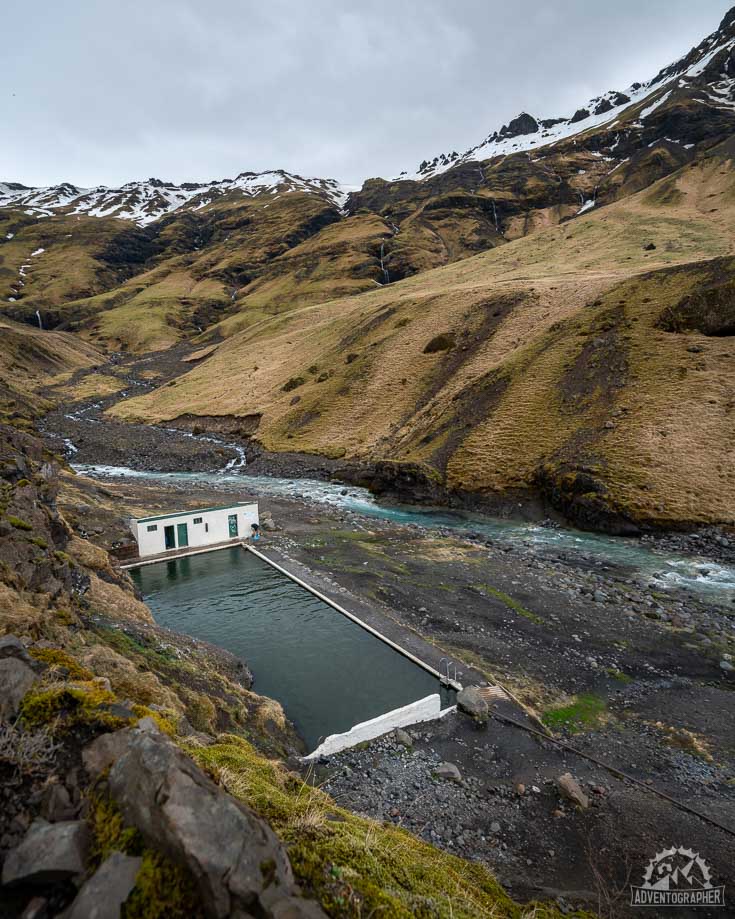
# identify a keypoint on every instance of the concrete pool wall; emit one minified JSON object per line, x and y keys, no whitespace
{"x":320,"y":659}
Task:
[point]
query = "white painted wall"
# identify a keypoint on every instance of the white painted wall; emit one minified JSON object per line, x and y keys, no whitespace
{"x":424,"y":710}
{"x":214,"y":527}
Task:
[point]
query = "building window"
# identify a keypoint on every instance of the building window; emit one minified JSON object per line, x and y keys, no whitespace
{"x":152,"y":527}
{"x":197,"y":520}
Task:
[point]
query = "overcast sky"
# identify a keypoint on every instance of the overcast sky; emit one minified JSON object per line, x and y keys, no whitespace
{"x":103,"y":92}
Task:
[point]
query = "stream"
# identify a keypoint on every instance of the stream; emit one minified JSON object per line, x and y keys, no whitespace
{"x":710,"y":580}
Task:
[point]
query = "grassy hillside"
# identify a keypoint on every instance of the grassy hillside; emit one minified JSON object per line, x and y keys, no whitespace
{"x":539,"y":367}
{"x":226,"y":264}
{"x":30,"y":359}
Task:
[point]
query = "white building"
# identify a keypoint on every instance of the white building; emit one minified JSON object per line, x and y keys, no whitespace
{"x":194,"y":529}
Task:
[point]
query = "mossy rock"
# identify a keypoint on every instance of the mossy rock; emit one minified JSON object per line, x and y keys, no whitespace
{"x":66,"y":706}
{"x":55,"y":657}
{"x":354,"y":866}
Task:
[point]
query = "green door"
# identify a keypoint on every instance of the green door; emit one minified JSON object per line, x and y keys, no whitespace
{"x":170,"y":538}
{"x":182,"y":532}
{"x":232,"y":521}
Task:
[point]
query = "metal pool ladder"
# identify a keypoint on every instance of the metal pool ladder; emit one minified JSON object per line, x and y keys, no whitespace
{"x":447,"y":678}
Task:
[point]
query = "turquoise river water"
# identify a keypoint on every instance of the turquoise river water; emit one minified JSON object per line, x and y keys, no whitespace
{"x":703,"y":577}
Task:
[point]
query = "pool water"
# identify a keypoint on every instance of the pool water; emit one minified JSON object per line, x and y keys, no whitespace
{"x":327,"y":672}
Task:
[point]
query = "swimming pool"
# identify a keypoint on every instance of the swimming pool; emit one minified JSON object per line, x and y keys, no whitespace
{"x":327,"y":672}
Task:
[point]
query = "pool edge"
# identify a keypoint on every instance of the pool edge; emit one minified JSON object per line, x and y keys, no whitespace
{"x":453,"y":684}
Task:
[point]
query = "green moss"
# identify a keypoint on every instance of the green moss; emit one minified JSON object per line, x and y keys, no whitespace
{"x":586,"y":712}
{"x":55,"y":657}
{"x":201,"y":712}
{"x":354,"y":866}
{"x":64,"y":558}
{"x":18,"y":523}
{"x":164,"y":720}
{"x":293,"y":383}
{"x":67,"y":706}
{"x":38,"y":541}
{"x":108,"y":831}
{"x":22,"y":483}
{"x":162,"y":889}
{"x":515,"y":605}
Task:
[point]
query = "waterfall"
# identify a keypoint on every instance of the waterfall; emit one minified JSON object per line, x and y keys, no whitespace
{"x":386,"y":276}
{"x":38,"y":316}
{"x":495,"y":216}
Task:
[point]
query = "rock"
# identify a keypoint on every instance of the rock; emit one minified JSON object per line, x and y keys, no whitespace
{"x":181,"y":811}
{"x":403,"y":738}
{"x":569,"y":787}
{"x":56,"y":804}
{"x":104,"y":751}
{"x":726,"y":666}
{"x":520,"y":789}
{"x":16,"y":678}
{"x":448,"y":771}
{"x":103,"y":895}
{"x":649,"y":247}
{"x":12,"y":646}
{"x":471,"y":702}
{"x":495,"y":827}
{"x":148,"y":725}
{"x":49,"y":852}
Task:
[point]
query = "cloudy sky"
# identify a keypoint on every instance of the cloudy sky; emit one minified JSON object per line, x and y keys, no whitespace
{"x":97,"y":92}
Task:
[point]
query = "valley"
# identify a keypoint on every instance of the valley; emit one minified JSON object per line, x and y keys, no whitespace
{"x":630,"y":686}
{"x":488,"y":407}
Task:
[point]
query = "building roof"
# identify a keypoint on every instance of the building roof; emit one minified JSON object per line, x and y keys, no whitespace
{"x":196,"y":511}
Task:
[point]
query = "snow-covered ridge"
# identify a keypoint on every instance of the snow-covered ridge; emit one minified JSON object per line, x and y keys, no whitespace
{"x":144,"y":202}
{"x":695,"y":72}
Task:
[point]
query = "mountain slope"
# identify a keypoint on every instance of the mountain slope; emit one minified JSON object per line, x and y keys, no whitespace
{"x":543,"y":370}
{"x":31,"y":359}
{"x":705,"y":75}
{"x":145,"y":265}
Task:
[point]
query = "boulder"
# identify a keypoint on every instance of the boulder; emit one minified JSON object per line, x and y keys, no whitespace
{"x":16,"y":678}
{"x":569,"y":788}
{"x":471,"y":702}
{"x":234,"y":856}
{"x":103,"y":895}
{"x":12,"y":646}
{"x":104,"y":751}
{"x":49,"y":852}
{"x":403,"y":737}
{"x":448,"y":771}
{"x":56,"y":804}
